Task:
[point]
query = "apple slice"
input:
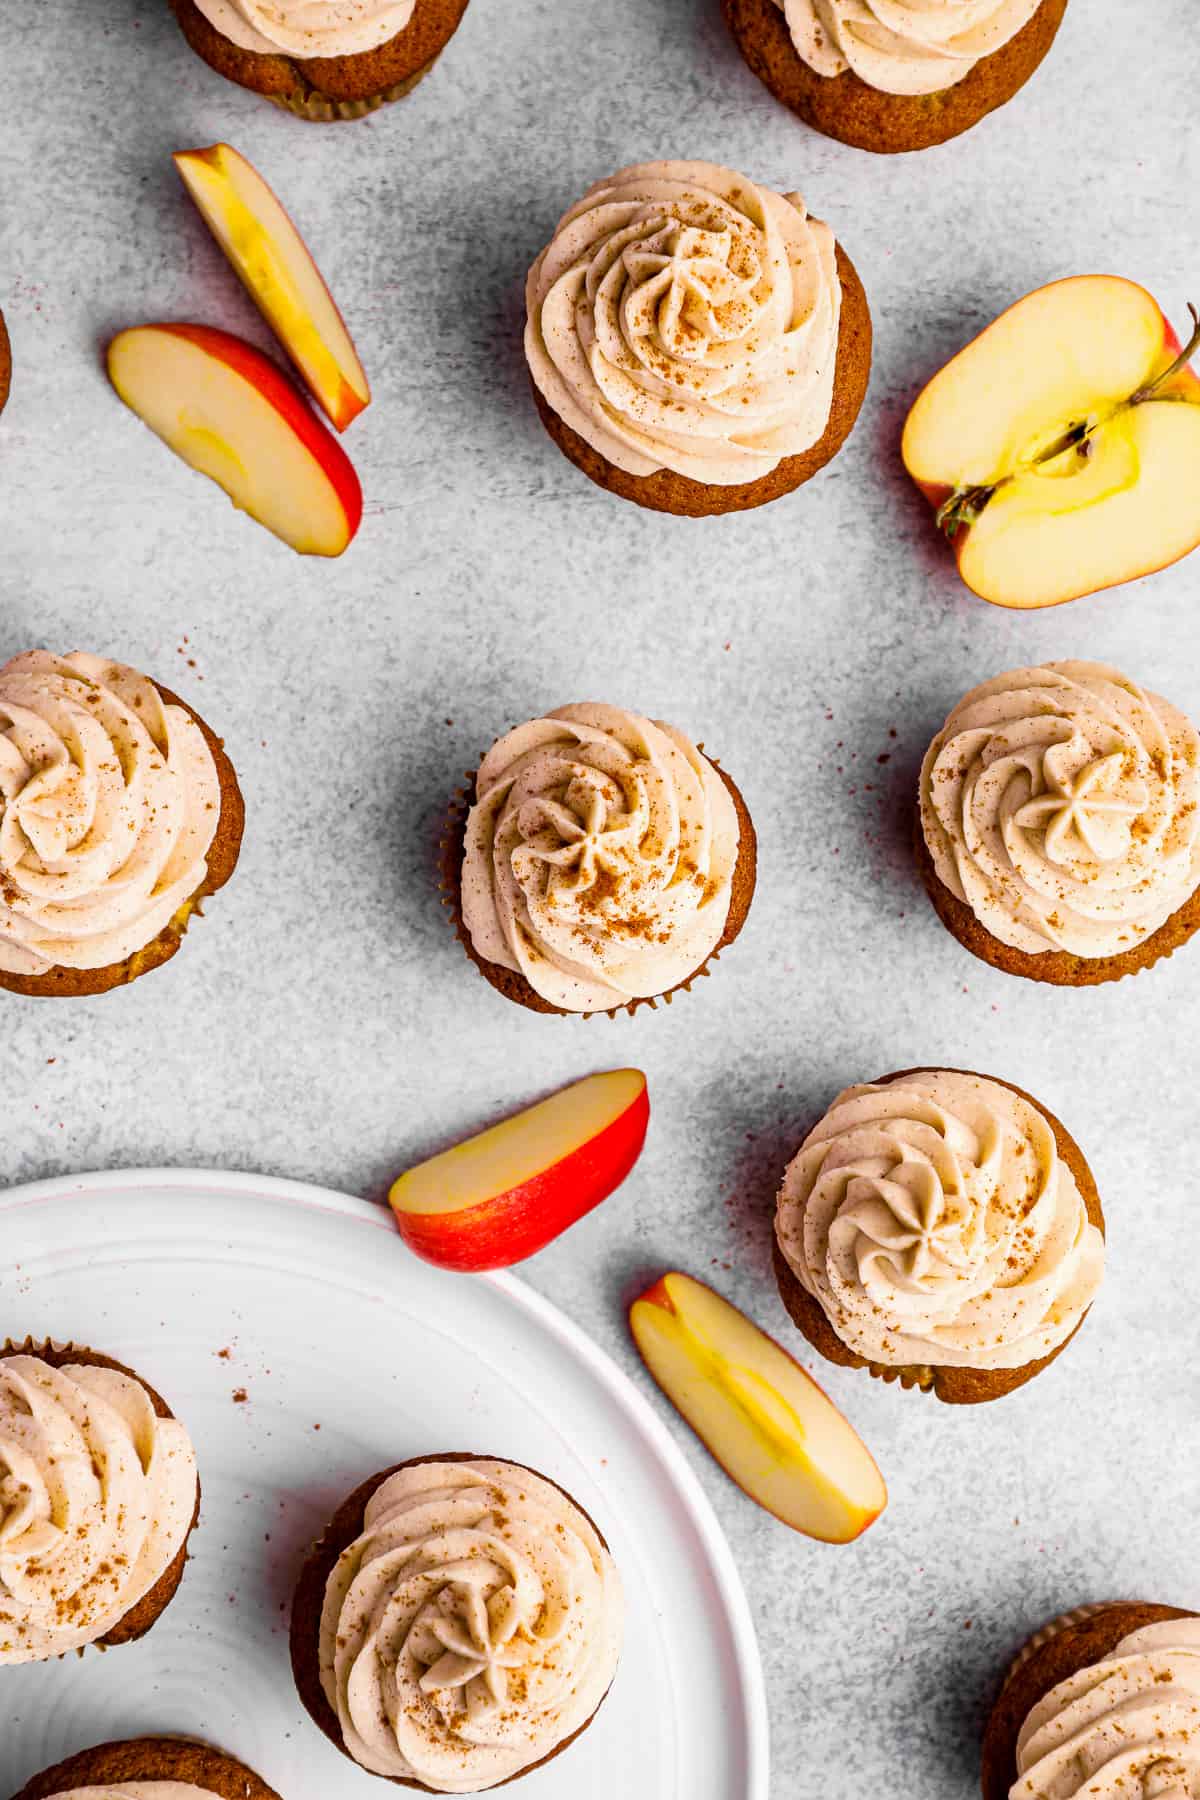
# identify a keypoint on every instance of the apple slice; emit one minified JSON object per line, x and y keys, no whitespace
{"x":227,"y":410}
{"x":279,"y":274}
{"x":769,"y":1425}
{"x":1062,"y":447}
{"x":503,"y":1195}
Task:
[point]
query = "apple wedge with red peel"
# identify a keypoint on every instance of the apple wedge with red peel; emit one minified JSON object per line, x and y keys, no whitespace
{"x":772,"y":1429}
{"x":279,"y":274}
{"x":1062,"y":447}
{"x":505,"y":1194}
{"x":227,"y":410}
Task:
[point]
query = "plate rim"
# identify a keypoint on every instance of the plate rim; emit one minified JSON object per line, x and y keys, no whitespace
{"x":601,"y":1365}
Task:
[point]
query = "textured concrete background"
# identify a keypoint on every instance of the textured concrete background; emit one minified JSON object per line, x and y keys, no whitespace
{"x":322,"y":1022}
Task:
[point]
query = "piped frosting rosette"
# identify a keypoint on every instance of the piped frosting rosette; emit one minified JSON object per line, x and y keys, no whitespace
{"x":109,"y":803}
{"x":1127,"y":1728}
{"x":97,"y":1494}
{"x":599,"y":857}
{"x":304,"y":28}
{"x":473,"y":1627}
{"x":684,"y":318}
{"x":1060,"y":803}
{"x":903,"y":46}
{"x":935,"y":1223}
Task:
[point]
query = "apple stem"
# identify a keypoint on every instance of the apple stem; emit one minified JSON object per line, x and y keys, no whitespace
{"x":962,"y":508}
{"x":1181,"y":362}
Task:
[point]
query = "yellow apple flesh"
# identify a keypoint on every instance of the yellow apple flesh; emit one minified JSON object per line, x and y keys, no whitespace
{"x":1061,"y":459}
{"x":772,"y":1429}
{"x":279,"y":274}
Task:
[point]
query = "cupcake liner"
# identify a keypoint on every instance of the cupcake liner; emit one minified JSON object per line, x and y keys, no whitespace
{"x":146,"y":1612}
{"x":165,"y":1757}
{"x":952,"y":1383}
{"x":322,"y":110}
{"x":514,"y":986}
{"x":1079,"y":1615}
{"x":308,"y":1601}
{"x":1058,"y":968}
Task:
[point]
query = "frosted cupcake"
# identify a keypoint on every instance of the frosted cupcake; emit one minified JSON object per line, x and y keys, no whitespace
{"x":119,"y":814}
{"x":1104,"y":1704}
{"x":941,"y":1229}
{"x":321,"y":59}
{"x":1058,"y":833}
{"x":600,"y":861}
{"x":98,"y":1497}
{"x":887,"y":75}
{"x":150,"y":1768}
{"x":458,"y":1625}
{"x":697,"y":343}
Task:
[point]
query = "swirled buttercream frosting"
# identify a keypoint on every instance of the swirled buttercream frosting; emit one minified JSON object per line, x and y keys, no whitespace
{"x":1127,"y":1728}
{"x":599,"y":857}
{"x":139,"y":1790}
{"x":109,"y":803}
{"x":1060,"y":803}
{"x":903,"y":46}
{"x":471,"y":1629}
{"x":97,"y":1494}
{"x":303,"y":28}
{"x":683,"y":318}
{"x":935,"y":1223}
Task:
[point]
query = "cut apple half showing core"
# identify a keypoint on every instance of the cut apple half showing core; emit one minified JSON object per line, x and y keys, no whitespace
{"x":227,"y":410}
{"x":1061,"y":448}
{"x":505,"y":1194}
{"x":773,"y":1430}
{"x":279,"y":273}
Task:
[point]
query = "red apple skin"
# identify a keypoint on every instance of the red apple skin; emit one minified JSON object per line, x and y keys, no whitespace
{"x":658,"y":1294}
{"x":274,"y":386}
{"x":348,"y":404}
{"x":512,"y":1226}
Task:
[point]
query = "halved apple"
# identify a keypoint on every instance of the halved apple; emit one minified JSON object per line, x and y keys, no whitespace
{"x":227,"y":410}
{"x":769,"y":1425}
{"x":503,"y":1195}
{"x":1062,"y":447}
{"x":279,"y":274}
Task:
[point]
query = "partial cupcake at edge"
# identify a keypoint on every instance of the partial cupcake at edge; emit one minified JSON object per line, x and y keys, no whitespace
{"x":1102,"y":1704}
{"x":941,"y":1229}
{"x":599,"y":861}
{"x":120,"y":812}
{"x":887,"y":76}
{"x":100,"y":1499}
{"x":1058,"y":832}
{"x":458,"y":1625}
{"x":321,"y":59}
{"x":148,"y":1768}
{"x":697,"y":343}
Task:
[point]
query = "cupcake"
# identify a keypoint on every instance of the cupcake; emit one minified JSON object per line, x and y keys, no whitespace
{"x":458,"y":1624}
{"x":697,"y":344}
{"x":97,"y":1503}
{"x":1058,"y":833}
{"x":940,"y":1229}
{"x":885,"y":75}
{"x":1104,"y":1704}
{"x":119,"y":813}
{"x":149,"y":1768}
{"x":599,"y":861}
{"x":321,"y":59}
{"x":5,"y":364}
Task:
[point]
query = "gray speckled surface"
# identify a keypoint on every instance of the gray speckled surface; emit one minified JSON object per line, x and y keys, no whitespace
{"x":322,"y":1022}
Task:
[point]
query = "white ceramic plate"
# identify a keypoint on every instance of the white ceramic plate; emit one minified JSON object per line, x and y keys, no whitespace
{"x":352,"y":1355}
